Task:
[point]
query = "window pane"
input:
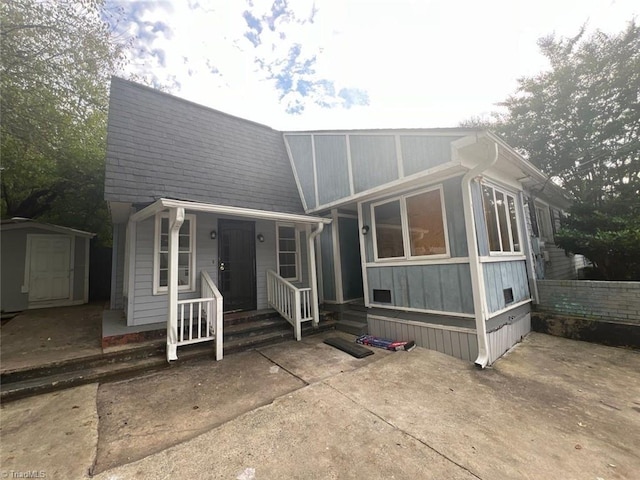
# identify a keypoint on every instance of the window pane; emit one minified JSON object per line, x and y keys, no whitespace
{"x":164,"y":276}
{"x":184,"y":259}
{"x":287,"y":252}
{"x":184,"y":243}
{"x":164,"y":260}
{"x":389,"y":230}
{"x":490,"y":218}
{"x":288,"y":271}
{"x":185,"y":229}
{"x":514,"y":224}
{"x":287,"y":259}
{"x":164,"y":225}
{"x":164,"y":242}
{"x":502,"y":218}
{"x":286,"y":232}
{"x":287,"y":245}
{"x":426,"y":228}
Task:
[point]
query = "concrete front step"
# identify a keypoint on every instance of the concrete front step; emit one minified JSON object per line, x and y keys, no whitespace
{"x":352,"y":327}
{"x":135,"y":361}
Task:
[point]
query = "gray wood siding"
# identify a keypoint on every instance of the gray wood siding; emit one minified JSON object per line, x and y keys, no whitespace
{"x":117,"y":266}
{"x":266,"y":259}
{"x":478,"y":215}
{"x":14,"y":250}
{"x":444,"y":287}
{"x":350,"y":263}
{"x":331,"y":166}
{"x":454,"y":210}
{"x":304,"y":259}
{"x":374,"y":160}
{"x":301,"y":151}
{"x":328,"y":272}
{"x":368,"y":238}
{"x":149,"y":308}
{"x":420,"y":152}
{"x":458,"y":344}
{"x":507,"y":336}
{"x":501,"y":275}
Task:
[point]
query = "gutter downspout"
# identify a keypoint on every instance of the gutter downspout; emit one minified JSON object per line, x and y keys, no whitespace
{"x":477,"y":278}
{"x":313,"y":280}
{"x":176,"y":219}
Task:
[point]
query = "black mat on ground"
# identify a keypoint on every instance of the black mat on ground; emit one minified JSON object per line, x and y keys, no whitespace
{"x":351,"y":348}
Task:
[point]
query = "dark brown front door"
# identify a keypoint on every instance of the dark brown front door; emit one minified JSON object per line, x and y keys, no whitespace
{"x":237,"y":264}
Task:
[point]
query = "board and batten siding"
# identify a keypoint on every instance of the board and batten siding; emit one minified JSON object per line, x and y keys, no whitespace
{"x":445,"y":287}
{"x":301,"y":152}
{"x":328,"y":272}
{"x":335,"y":166}
{"x":499,"y":276}
{"x":458,"y":343}
{"x":332,"y":168}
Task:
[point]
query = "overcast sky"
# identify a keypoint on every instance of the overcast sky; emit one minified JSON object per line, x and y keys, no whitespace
{"x":324,"y":64}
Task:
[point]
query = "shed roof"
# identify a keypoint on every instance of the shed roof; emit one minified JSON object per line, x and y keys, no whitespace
{"x":161,"y":146}
{"x":20,"y":223}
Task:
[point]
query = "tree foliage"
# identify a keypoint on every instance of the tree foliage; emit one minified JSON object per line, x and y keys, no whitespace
{"x":579,"y":122}
{"x":57,"y":58}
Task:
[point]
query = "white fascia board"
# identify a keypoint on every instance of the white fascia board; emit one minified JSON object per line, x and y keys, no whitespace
{"x":165,"y":203}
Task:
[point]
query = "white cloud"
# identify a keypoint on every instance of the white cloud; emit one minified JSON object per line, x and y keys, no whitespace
{"x":419,"y":63}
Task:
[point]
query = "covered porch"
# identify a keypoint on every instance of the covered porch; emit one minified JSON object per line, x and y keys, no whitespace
{"x":190,"y":263}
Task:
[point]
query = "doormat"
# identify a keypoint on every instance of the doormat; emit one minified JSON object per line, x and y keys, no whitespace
{"x":352,"y":349}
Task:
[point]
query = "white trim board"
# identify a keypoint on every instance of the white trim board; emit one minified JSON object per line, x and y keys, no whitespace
{"x":423,"y":324}
{"x":421,"y":310}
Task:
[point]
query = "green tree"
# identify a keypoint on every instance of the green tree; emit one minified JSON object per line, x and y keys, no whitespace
{"x":579,"y":122}
{"x":57,"y":58}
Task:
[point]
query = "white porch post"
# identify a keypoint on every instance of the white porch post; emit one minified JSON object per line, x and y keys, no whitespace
{"x":176,"y":218}
{"x":313,"y":279}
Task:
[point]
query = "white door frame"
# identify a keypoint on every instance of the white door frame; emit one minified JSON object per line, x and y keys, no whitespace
{"x":27,"y":272}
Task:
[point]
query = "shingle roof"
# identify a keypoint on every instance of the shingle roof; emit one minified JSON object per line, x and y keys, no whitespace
{"x":159,"y":145}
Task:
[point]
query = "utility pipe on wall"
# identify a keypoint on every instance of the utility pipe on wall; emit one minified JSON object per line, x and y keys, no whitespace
{"x":477,"y":278}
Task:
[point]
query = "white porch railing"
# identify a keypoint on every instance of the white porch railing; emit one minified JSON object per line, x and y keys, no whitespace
{"x":293,"y":303}
{"x":200,"y":319}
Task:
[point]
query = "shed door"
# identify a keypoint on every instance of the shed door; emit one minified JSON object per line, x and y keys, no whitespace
{"x":49,"y":268}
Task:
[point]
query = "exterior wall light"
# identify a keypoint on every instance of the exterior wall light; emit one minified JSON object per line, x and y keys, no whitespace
{"x":260,"y":238}
{"x":365,"y":229}
{"x":213,"y":234}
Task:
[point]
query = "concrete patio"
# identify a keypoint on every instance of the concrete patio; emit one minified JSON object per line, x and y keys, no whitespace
{"x":552,"y":408}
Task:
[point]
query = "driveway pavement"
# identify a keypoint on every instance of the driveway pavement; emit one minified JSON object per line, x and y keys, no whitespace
{"x":552,"y":408}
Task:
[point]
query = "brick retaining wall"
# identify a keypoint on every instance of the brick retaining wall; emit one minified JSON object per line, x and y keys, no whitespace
{"x":595,"y":300}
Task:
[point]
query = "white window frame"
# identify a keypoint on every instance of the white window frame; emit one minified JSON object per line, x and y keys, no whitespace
{"x":191,"y":286}
{"x":506,"y":193}
{"x":297,"y":252}
{"x":543,"y":221}
{"x":404,"y":221}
